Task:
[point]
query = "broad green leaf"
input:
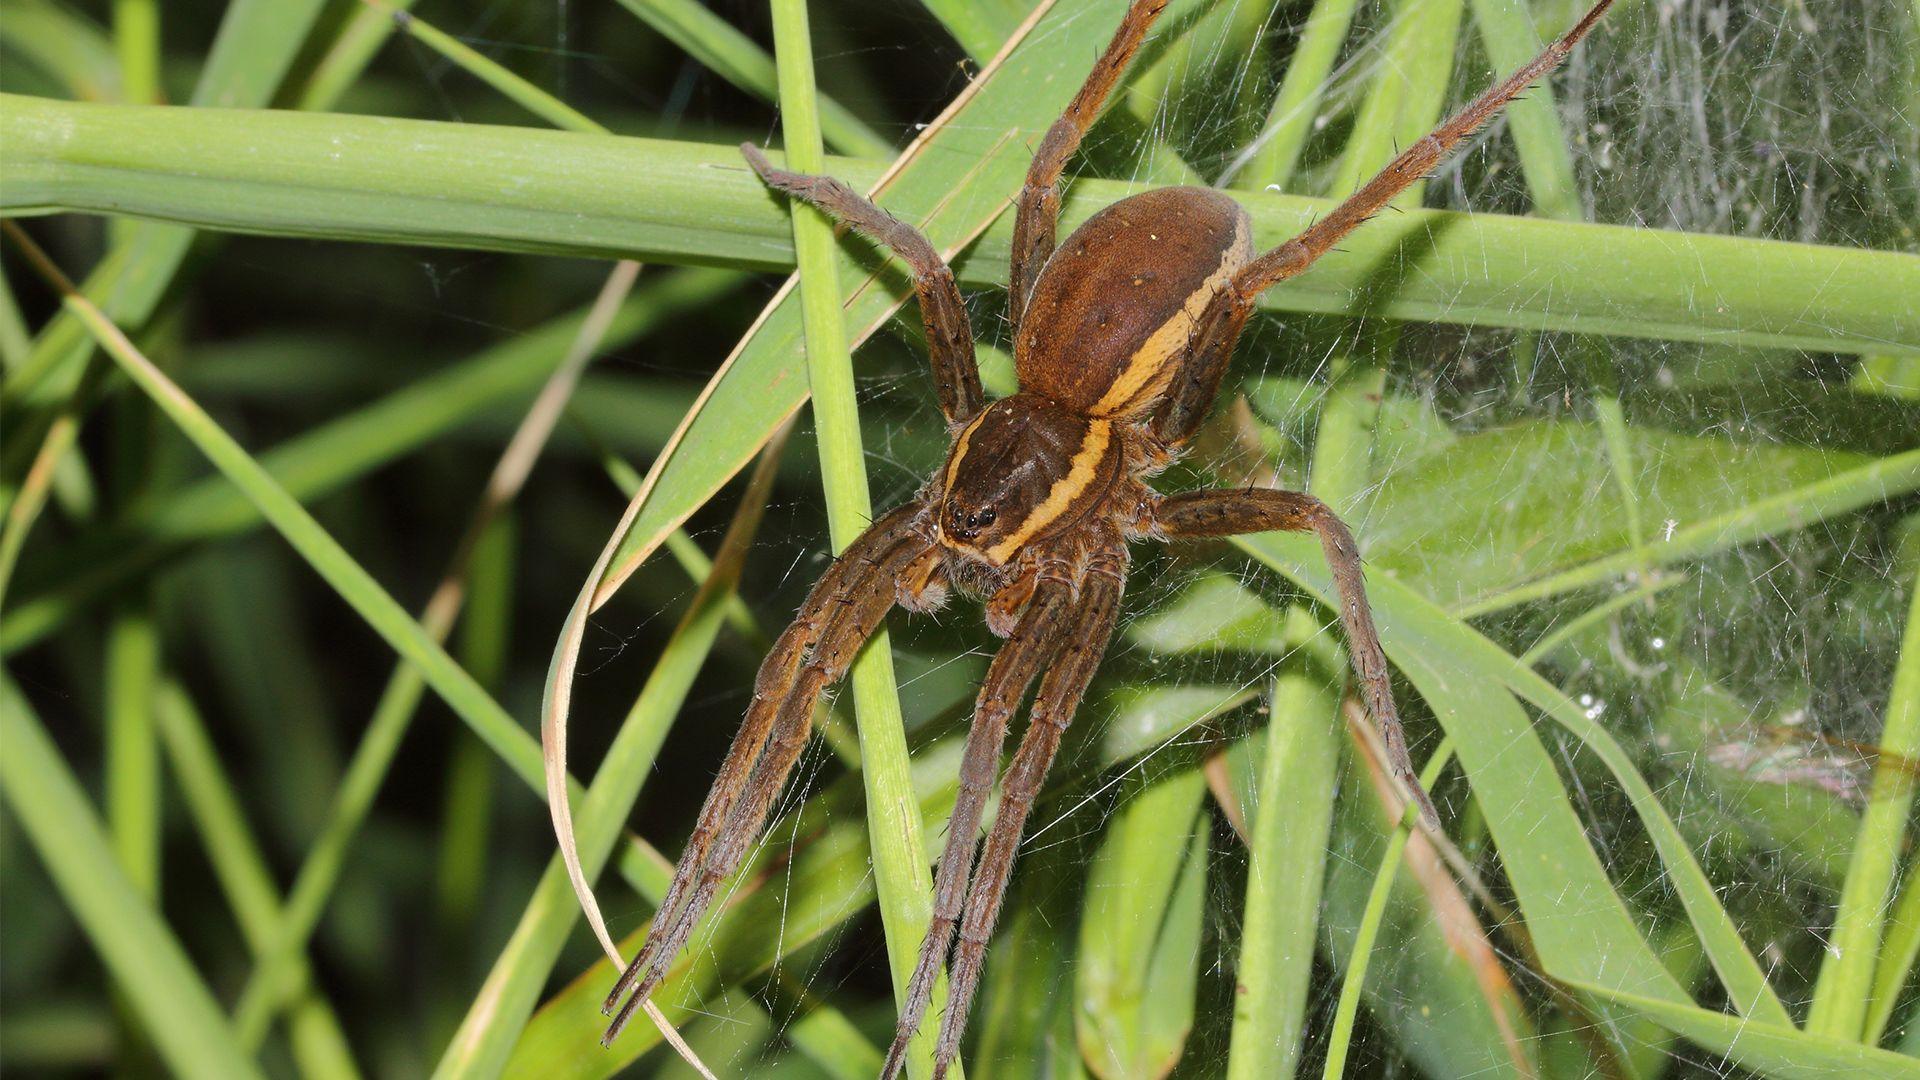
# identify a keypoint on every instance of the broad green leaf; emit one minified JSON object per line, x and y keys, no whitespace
{"x":1739,"y":799}
{"x":1522,"y":503}
{"x":1581,"y":925}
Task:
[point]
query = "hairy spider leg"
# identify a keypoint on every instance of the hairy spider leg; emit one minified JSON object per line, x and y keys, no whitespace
{"x":1096,"y":611}
{"x":840,"y":613}
{"x":1410,"y":166}
{"x":1032,"y":645}
{"x":1037,"y":208}
{"x":956,"y":375}
{"x":1229,"y":512}
{"x":1218,"y":331}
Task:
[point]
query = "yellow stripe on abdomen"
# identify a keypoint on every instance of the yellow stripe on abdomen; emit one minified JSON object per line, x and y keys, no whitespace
{"x":1150,"y":368}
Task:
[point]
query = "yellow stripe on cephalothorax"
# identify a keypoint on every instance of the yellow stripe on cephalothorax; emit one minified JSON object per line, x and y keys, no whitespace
{"x":1080,"y":475}
{"x":1150,"y":368}
{"x":960,"y":445}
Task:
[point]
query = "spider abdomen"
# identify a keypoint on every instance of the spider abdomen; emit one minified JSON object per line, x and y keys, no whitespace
{"x":1112,"y":316}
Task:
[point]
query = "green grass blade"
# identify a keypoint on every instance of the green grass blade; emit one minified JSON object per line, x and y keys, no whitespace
{"x":903,"y":882}
{"x":132,"y":796}
{"x":820,"y":877}
{"x":1347,"y":1009}
{"x":15,"y":343}
{"x":1898,"y":950}
{"x":277,"y":976}
{"x":1276,"y":151}
{"x":322,"y":552}
{"x":1453,"y":518}
{"x":319,"y":1046}
{"x":257,"y":42}
{"x":832,"y":1042}
{"x":66,"y":45}
{"x":1025,"y":1019}
{"x":511,"y":86}
{"x":1769,"y":1049}
{"x":1405,"y":101}
{"x":136,"y":38}
{"x":1138,"y":961}
{"x":980,"y":26}
{"x":1462,"y":1019}
{"x":985,"y":135}
{"x":30,"y":497}
{"x":1843,"y":994}
{"x":1293,"y":815}
{"x":132,"y":751}
{"x":738,"y":59}
{"x":467,"y":817}
{"x":352,"y":49}
{"x":1508,"y":33}
{"x":343,"y":450}
{"x":1862,"y":486}
{"x":238,"y":862}
{"x":174,"y":1004}
{"x":300,"y":174}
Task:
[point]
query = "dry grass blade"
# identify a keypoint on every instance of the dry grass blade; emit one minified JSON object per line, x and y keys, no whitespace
{"x":31,"y":496}
{"x":319,"y":873}
{"x":1458,"y":925}
{"x":727,"y":564}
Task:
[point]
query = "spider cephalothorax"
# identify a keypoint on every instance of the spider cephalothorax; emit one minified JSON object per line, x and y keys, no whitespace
{"x":1121,"y":337}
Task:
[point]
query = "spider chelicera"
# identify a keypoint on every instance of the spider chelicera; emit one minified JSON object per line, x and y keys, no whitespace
{"x":1121,"y":337}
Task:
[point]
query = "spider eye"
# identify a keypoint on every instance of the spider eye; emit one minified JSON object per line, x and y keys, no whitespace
{"x":986,"y":517}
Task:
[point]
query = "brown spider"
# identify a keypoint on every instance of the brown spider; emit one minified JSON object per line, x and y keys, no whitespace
{"x":1121,"y":338}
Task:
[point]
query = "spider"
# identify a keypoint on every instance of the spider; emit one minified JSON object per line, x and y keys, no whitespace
{"x":1121,"y":338}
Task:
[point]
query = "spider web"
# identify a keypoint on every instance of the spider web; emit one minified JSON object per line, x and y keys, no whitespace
{"x":1741,"y":684}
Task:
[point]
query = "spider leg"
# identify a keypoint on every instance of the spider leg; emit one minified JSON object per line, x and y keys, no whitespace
{"x":956,"y":376}
{"x":1033,"y":643}
{"x":1086,"y":632}
{"x":1246,"y":510}
{"x":1413,"y":163}
{"x":1038,"y":206}
{"x":842,"y":611}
